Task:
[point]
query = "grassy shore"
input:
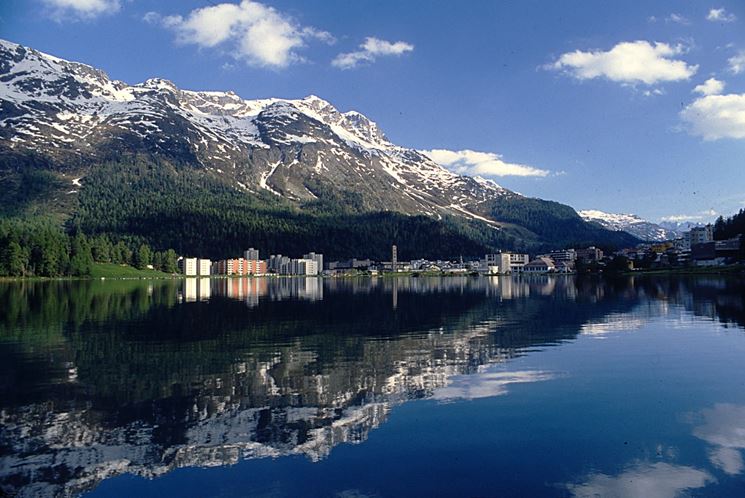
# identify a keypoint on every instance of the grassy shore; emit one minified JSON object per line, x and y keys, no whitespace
{"x":102,"y":270}
{"x":112,"y":270}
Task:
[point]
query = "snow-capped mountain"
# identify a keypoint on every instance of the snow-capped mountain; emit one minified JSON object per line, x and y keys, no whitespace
{"x":680,"y":226}
{"x":72,"y":112}
{"x":629,"y":223}
{"x":297,"y":155}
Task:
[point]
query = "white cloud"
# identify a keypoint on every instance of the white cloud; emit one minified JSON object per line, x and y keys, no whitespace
{"x":472,"y":163}
{"x":370,"y":50}
{"x":724,"y":428}
{"x":81,"y":9}
{"x":674,"y":17}
{"x":628,"y":62}
{"x":737,"y":63}
{"x":661,"y":480}
{"x":152,"y":18}
{"x":716,"y":116}
{"x":249,"y":30}
{"x":653,"y":92}
{"x":702,"y":215}
{"x":728,"y":459}
{"x":712,"y":86}
{"x":677,"y":218}
{"x":720,"y":15}
{"x":678,"y":19}
{"x":486,"y":384}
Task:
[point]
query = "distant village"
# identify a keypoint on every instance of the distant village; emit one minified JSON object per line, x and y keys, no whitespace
{"x":696,"y":247}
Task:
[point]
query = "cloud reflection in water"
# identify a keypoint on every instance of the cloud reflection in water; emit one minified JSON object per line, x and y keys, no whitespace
{"x":659,"y":480}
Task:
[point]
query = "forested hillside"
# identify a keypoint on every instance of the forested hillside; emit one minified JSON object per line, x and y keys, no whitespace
{"x":194,"y":213}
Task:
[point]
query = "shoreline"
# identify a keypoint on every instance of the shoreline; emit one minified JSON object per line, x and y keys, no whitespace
{"x":729,"y":270}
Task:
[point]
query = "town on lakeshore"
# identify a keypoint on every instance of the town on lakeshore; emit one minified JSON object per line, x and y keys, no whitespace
{"x":696,"y":248}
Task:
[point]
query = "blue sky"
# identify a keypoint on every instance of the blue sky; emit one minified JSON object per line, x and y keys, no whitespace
{"x":589,"y":103}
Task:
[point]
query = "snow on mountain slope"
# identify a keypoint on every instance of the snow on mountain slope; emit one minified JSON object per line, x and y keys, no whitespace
{"x":298,"y":149}
{"x":629,"y":223}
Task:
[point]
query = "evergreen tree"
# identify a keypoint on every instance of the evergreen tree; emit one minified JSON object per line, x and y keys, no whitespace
{"x":121,"y":254}
{"x":101,"y":249}
{"x":81,"y":260}
{"x":170,"y":261}
{"x":157,"y":260}
{"x":16,"y":260}
{"x":142,"y":259}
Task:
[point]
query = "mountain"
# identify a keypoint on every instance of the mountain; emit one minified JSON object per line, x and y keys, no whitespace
{"x":680,"y":226}
{"x":631,"y":224}
{"x":212,"y":172}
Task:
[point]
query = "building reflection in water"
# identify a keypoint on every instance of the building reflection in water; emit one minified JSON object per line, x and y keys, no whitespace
{"x":195,"y":289}
{"x":251,"y":290}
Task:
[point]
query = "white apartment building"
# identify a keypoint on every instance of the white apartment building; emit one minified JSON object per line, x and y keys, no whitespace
{"x":188,"y":266}
{"x":318,"y":258}
{"x":204,"y":267}
{"x":307,"y":267}
{"x":497,"y":263}
{"x":518,"y":262}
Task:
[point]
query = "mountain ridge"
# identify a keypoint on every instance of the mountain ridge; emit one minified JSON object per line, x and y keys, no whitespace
{"x":67,"y":119}
{"x":630,"y":223}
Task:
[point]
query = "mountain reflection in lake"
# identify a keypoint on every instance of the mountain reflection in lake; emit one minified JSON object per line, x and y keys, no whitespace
{"x":136,"y":388}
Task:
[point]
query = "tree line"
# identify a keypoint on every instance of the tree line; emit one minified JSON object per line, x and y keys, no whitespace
{"x":42,"y":248}
{"x":727,"y":228}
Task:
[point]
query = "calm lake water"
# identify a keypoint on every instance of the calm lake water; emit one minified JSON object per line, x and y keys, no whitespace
{"x":373,"y":387}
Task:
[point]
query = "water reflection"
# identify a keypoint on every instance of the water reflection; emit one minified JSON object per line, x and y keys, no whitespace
{"x":487,"y":382}
{"x":661,"y":480}
{"x":723,"y":427}
{"x":103,"y":378}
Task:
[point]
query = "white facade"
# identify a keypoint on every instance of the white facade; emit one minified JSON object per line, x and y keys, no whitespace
{"x":307,"y":267}
{"x":189,"y":267}
{"x":497,"y":263}
{"x":518,"y":261}
{"x":204,"y":267}
{"x":318,"y":258}
{"x":701,"y":235}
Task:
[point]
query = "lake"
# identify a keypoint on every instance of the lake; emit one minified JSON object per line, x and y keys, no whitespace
{"x":381,"y":387}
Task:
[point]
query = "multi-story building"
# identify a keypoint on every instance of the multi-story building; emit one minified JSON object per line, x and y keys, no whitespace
{"x":497,"y":263}
{"x":318,"y":258}
{"x":188,"y":266}
{"x":204,"y":267}
{"x":277,"y":262}
{"x":224,"y":267}
{"x":568,"y":255}
{"x":349,"y":264}
{"x":255,"y":267}
{"x":518,"y":262}
{"x":701,"y":235}
{"x":589,"y":255}
{"x":304,"y":266}
{"x":251,"y":254}
{"x":241,"y":266}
